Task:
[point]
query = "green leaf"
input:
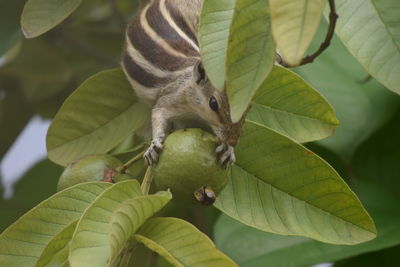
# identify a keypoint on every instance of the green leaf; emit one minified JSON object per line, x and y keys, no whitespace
{"x":56,"y":251}
{"x":214,"y":29}
{"x":287,"y":104}
{"x":37,"y":184}
{"x":22,"y":243}
{"x":281,"y":187}
{"x":236,"y":48}
{"x":253,"y":248}
{"x":361,"y":107}
{"x":110,"y":221}
{"x":101,"y":113}
{"x":370,"y":30}
{"x":181,"y":243}
{"x":40,"y":16}
{"x":294,"y":24}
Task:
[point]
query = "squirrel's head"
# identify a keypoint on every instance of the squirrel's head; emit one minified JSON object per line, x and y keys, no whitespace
{"x":213,"y":107}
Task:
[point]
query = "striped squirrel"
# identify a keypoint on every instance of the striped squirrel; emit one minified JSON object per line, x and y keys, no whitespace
{"x":162,"y":62}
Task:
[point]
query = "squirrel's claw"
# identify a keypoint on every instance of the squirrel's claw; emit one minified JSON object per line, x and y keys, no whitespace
{"x":226,"y":155}
{"x":152,"y":153}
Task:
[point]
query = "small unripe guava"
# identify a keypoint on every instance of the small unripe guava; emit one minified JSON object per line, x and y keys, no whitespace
{"x":89,"y":169}
{"x":188,"y":162}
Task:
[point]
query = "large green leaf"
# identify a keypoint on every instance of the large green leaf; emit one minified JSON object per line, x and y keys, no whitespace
{"x":101,"y":113}
{"x":40,"y":16}
{"x":281,"y":187}
{"x":57,"y":250}
{"x":253,"y":248}
{"x":287,"y":104}
{"x":361,"y":107}
{"x":294,"y":24}
{"x":22,"y":243}
{"x":110,"y":221}
{"x":370,"y":30}
{"x":181,"y":243}
{"x":237,"y":49}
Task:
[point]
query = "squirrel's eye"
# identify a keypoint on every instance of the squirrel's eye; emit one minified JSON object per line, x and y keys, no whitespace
{"x":201,"y":73}
{"x":213,"y":104}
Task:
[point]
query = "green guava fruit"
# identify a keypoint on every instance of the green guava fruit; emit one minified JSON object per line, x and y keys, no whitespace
{"x":89,"y":169}
{"x":188,"y":162}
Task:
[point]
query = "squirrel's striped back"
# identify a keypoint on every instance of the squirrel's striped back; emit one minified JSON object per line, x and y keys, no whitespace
{"x":161,"y":45}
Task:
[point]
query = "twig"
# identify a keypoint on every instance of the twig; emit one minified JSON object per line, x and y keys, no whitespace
{"x":325,"y":44}
{"x":123,"y":168}
{"x":146,"y":183}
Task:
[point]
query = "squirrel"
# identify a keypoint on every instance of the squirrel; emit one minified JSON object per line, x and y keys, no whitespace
{"x":161,"y":60}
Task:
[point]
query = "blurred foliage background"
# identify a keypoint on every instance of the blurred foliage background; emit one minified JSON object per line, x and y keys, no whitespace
{"x":36,"y":76}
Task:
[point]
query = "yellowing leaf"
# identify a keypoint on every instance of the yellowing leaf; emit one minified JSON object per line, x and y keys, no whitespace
{"x":181,"y":243}
{"x":110,"y":221}
{"x":57,"y":250}
{"x":22,"y":243}
{"x":294,"y":24}
{"x":289,"y":105}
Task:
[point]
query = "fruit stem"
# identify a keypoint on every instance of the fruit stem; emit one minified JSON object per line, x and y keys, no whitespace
{"x":146,"y":183}
{"x":123,"y":168}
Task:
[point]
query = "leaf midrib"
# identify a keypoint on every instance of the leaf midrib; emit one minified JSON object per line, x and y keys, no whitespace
{"x":293,"y":114}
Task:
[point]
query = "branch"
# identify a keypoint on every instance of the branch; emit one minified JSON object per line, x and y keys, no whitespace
{"x":146,"y":183}
{"x":126,"y":165}
{"x":331,"y":30}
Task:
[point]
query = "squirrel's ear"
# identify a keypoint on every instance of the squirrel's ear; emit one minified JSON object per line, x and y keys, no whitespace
{"x":200,"y":73}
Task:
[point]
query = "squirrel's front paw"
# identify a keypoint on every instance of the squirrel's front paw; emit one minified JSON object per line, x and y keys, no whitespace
{"x":151,"y":155}
{"x":226,"y":155}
